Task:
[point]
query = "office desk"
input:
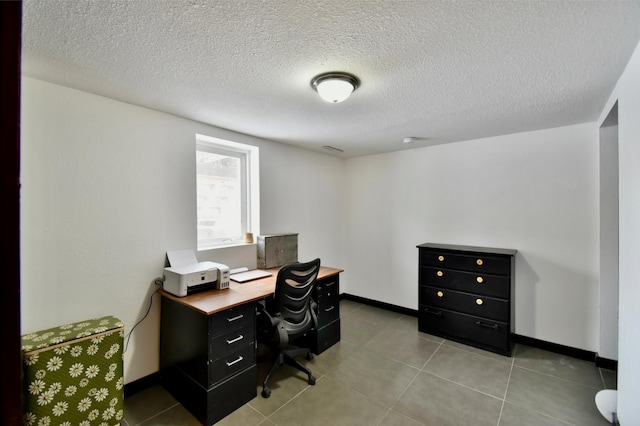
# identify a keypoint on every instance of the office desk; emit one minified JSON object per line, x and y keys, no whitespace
{"x":208,"y":342}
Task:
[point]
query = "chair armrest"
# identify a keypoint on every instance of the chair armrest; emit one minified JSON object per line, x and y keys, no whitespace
{"x":274,"y":320}
{"x":314,"y":313}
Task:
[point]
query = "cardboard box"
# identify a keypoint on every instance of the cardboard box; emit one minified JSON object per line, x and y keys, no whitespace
{"x":277,"y":250}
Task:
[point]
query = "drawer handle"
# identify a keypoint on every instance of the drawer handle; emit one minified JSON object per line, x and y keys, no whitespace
{"x":237,"y":339}
{"x":482,"y":324}
{"x":479,"y":302}
{"x":441,"y":258}
{"x":437,"y":313}
{"x":480,"y":280}
{"x":240,"y":358}
{"x":479,"y":262}
{"x":440,"y":294}
{"x":439,"y":273}
{"x":331,"y":308}
{"x":235,"y":318}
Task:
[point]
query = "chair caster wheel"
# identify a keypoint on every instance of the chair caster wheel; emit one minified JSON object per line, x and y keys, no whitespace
{"x":309,"y":356}
{"x":312,"y":380}
{"x":266,"y":393}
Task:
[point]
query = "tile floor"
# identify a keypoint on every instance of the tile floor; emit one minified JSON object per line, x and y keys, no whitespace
{"x":384,"y":372}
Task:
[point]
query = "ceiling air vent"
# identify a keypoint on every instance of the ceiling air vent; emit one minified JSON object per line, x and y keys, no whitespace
{"x":332,"y":148}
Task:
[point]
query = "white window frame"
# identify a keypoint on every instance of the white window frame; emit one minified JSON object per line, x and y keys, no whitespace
{"x":250,"y":188}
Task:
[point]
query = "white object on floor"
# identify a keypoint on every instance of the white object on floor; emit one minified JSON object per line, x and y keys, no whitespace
{"x":607,"y":403}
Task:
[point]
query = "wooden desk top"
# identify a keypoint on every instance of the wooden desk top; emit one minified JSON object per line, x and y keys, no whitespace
{"x":212,"y":301}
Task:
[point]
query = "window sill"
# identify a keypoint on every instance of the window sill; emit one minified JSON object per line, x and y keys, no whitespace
{"x":224,"y":246}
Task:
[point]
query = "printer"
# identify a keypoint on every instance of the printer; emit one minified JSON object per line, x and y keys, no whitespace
{"x":183,"y":278}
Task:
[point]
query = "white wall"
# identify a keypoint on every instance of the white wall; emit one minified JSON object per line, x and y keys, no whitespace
{"x":536,"y":192}
{"x":108,"y":188}
{"x":609,"y":235}
{"x":627,"y":93}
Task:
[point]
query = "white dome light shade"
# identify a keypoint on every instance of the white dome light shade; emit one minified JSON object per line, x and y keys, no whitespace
{"x":335,"y":87}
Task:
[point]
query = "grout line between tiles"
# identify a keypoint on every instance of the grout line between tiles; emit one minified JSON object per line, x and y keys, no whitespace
{"x":506,"y":389}
{"x":463,"y":385}
{"x":556,"y":377}
{"x":411,"y":382}
{"x":157,"y":414}
{"x":290,"y":399}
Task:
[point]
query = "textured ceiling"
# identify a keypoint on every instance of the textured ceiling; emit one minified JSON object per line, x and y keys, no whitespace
{"x":440,"y":71}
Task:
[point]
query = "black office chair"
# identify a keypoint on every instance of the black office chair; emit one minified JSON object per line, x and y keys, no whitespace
{"x":289,"y":315}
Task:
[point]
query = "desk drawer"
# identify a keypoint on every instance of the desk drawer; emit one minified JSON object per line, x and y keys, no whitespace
{"x":490,"y":285}
{"x":482,"y":306}
{"x":474,"y":262}
{"x":231,"y":364}
{"x":210,"y":405}
{"x":326,"y":337}
{"x":328,"y":286}
{"x":322,"y":339}
{"x":328,"y":299}
{"x":232,"y":319}
{"x":232,"y":341}
{"x":328,"y":309}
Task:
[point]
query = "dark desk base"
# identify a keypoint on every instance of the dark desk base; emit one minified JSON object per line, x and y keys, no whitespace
{"x":211,"y":405}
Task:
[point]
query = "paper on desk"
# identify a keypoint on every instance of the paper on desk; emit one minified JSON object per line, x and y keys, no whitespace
{"x":181,"y":257}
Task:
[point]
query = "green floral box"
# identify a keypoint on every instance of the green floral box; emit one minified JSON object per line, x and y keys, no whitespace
{"x":73,"y":374}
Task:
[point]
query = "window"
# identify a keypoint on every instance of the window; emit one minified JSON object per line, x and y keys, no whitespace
{"x":227,"y":191}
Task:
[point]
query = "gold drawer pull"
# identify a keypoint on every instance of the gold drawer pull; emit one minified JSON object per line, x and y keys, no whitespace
{"x":479,"y":302}
{"x":479,"y":262}
{"x":441,"y":258}
{"x":480,"y":280}
{"x":439,"y":273}
{"x":440,"y":294}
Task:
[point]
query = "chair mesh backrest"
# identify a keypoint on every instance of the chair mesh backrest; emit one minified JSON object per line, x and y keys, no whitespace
{"x":294,"y":286}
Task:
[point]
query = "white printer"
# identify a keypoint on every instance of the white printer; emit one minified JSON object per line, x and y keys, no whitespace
{"x":188,"y":276}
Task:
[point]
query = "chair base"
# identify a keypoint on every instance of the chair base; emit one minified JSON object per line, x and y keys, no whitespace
{"x":287,"y":357}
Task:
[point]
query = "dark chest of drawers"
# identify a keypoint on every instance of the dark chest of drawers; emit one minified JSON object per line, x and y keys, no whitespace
{"x":466,"y":294}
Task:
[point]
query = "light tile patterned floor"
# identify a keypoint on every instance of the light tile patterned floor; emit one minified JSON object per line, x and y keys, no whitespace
{"x":385,"y":372}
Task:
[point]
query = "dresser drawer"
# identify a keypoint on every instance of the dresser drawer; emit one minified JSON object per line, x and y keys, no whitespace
{"x":231,"y":363}
{"x":474,"y":262}
{"x":481,"y":306}
{"x":469,"y":329}
{"x":480,"y":283}
{"x":232,"y":341}
{"x":232,"y":319}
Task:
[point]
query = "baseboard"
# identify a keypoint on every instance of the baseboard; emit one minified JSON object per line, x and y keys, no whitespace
{"x":377,"y":304}
{"x":609,"y":364}
{"x":153,"y":379}
{"x":141,"y":384}
{"x":529,"y":341}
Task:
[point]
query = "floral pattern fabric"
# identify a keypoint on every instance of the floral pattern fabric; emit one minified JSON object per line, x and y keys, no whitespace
{"x":73,"y":374}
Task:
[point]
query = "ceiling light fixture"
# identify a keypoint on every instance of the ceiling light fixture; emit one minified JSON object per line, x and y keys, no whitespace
{"x":335,"y":86}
